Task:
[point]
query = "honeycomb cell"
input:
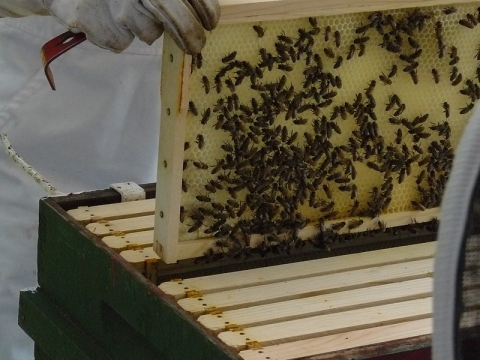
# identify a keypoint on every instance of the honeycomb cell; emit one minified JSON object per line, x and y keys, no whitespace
{"x":283,"y":187}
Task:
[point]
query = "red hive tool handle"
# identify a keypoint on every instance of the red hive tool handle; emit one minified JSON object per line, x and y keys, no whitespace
{"x":56,"y":47}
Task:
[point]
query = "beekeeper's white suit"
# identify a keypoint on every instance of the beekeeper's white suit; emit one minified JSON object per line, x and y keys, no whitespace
{"x":99,"y":127}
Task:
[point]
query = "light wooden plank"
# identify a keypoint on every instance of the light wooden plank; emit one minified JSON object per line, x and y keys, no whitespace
{"x":138,"y":258}
{"x":237,"y":11}
{"x":88,"y":214}
{"x":319,"y":305}
{"x":311,"y":286}
{"x":174,"y":87}
{"x":330,"y":324}
{"x":271,"y":274}
{"x":144,"y":239}
{"x":125,"y":226}
{"x":342,"y":341}
{"x":134,"y":240}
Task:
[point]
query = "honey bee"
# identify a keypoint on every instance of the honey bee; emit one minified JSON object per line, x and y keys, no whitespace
{"x":197,"y":61}
{"x":218,"y":84}
{"x":417,"y":205}
{"x":259,"y":30}
{"x":400,"y":110}
{"x":393,"y":71}
{"x":362,"y":28}
{"x":192,"y":108}
{"x":361,"y":51}
{"x":338,"y":62}
{"x":421,"y":177}
{"x":230,"y":85}
{"x":354,"y":224}
{"x":410,"y":68}
{"x":229,"y":57}
{"x":285,"y":67}
{"x":386,"y":80}
{"x":449,"y":10}
{"x":327,"y":191}
{"x":218,"y":167}
{"x":200,"y":165}
{"x":370,"y":88}
{"x":413,"y":43}
{"x":351,"y":51}
{"x":206,"y":84}
{"x":300,"y":121}
{"x":206,"y":116}
{"x":200,"y":140}
{"x":457,"y":80}
{"x":361,"y":40}
{"x":466,"y":23}
{"x":283,"y":38}
{"x":315,"y":28}
{"x":382,"y":226}
{"x":399,"y":136}
{"x":472,"y":19}
{"x":467,"y":108}
{"x":329,"y":52}
{"x":338,"y":226}
{"x":354,"y":208}
{"x":338,"y":38}
{"x":436,"y":76}
{"x":195,"y":226}
{"x":328,"y":30}
{"x":393,"y":47}
{"x":182,"y":214}
{"x":414,"y":76}
{"x":446,"y":109}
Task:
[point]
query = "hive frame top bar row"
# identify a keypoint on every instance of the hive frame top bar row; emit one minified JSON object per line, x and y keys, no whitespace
{"x":238,"y":11}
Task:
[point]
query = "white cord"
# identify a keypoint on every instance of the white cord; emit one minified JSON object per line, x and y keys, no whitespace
{"x":34,"y":174}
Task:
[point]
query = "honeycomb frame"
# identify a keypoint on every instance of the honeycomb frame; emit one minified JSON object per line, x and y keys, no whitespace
{"x":228,"y":38}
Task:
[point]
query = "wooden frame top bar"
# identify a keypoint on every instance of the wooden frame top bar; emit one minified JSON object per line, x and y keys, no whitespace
{"x":240,"y":11}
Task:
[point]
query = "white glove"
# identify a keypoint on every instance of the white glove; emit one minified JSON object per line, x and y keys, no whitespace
{"x":113,"y":24}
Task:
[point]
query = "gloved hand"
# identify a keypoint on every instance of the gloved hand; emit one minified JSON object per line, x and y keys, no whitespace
{"x":113,"y":24}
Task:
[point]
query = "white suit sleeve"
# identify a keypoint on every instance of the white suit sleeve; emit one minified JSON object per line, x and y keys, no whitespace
{"x":20,"y":8}
{"x":113,"y":24}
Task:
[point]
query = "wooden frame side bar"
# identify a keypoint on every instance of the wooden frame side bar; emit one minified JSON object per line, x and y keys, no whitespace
{"x":174,"y":86}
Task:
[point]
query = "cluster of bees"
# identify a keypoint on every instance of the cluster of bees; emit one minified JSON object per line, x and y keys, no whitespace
{"x":270,"y":172}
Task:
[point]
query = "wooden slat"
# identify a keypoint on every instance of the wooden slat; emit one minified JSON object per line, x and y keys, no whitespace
{"x":138,"y":258}
{"x":88,"y":214}
{"x":311,"y":286}
{"x":341,"y":341}
{"x":134,"y":240}
{"x":237,"y":11}
{"x":271,"y":274}
{"x":144,"y":239}
{"x":319,"y":305}
{"x":330,"y":324}
{"x":174,"y":87}
{"x":128,"y":225}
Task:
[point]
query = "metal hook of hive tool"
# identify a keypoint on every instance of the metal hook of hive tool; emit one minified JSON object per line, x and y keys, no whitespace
{"x":56,"y":47}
